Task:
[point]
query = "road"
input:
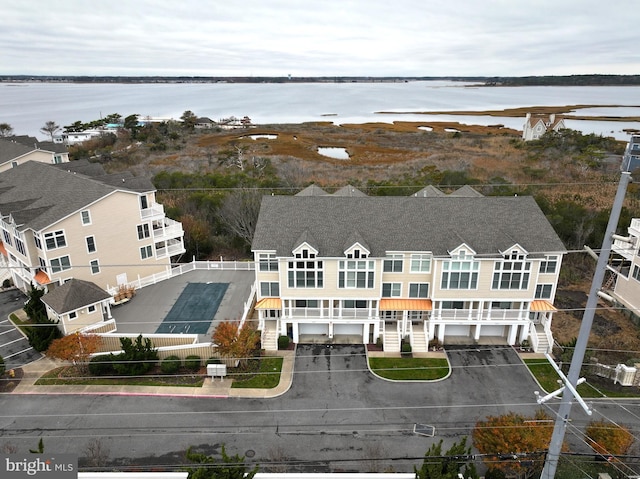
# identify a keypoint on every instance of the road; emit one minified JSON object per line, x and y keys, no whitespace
{"x":336,"y":414}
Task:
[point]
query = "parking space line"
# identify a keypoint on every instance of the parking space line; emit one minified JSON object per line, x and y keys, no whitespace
{"x":7,"y":331}
{"x":19,"y":352}
{"x":11,"y":342}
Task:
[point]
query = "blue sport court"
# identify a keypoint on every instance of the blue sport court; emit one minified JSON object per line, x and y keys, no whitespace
{"x":194,"y":309}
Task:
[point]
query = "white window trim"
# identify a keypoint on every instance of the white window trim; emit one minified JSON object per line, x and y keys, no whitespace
{"x":420,"y":257}
{"x":86,"y":243}
{"x":394,"y":283}
{"x":150,"y":255}
{"x":97,"y":265}
{"x":419,"y":284}
{"x":82,"y":217}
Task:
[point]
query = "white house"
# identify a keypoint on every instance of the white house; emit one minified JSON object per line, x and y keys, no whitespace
{"x":536,"y":126}
{"x":453,"y":268}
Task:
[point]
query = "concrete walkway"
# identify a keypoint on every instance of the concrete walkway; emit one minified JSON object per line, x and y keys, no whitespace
{"x":211,"y":388}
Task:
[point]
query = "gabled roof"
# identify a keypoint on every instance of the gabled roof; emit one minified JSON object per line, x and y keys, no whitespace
{"x":349,"y":191}
{"x":467,"y":191}
{"x":429,"y":191}
{"x":10,"y":150}
{"x":73,"y":295}
{"x":487,"y":224}
{"x":38,"y":195}
{"x":312,"y":190}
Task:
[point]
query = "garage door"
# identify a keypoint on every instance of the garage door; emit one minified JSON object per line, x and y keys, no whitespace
{"x":456,"y":330}
{"x":492,"y":331}
{"x":354,"y":331}
{"x":313,"y":329}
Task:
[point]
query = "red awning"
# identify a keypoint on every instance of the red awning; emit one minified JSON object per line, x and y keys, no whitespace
{"x":42,"y":278}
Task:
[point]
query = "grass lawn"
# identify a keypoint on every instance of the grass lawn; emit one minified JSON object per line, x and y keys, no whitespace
{"x":410,"y":369}
{"x":547,"y":377}
{"x":19,"y":323}
{"x":267,"y":376}
{"x":69,"y":376}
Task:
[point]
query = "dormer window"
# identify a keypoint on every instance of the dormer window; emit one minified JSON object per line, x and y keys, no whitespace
{"x":305,"y":254}
{"x":357,"y":254}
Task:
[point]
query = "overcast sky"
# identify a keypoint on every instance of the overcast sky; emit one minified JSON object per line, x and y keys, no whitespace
{"x":319,"y":37}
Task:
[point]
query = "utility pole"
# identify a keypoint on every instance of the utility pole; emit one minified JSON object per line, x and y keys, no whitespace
{"x":555,"y":446}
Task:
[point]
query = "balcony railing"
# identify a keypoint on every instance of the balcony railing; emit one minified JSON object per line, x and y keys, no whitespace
{"x":156,"y":210}
{"x":170,"y":229}
{"x":471,"y":315}
{"x":170,"y":250}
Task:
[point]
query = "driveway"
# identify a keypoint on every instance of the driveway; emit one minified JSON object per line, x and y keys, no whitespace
{"x":14,"y":347}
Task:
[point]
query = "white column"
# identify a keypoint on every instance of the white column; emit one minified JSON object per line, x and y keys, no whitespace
{"x":296,"y":334}
{"x":513,"y":332}
{"x":441,"y":333}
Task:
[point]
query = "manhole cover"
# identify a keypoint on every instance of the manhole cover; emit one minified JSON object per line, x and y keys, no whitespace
{"x":250,"y":453}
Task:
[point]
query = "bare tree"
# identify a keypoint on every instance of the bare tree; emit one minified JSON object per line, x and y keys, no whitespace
{"x":50,"y":128}
{"x":239,"y":213}
{"x":5,"y":130}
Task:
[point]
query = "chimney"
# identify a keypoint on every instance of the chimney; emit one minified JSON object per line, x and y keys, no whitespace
{"x":552,"y":119}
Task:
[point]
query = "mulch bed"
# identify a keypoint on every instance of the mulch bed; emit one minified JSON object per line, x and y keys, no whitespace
{"x":8,"y":383}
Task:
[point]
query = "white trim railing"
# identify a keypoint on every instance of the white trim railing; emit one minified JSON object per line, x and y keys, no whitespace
{"x":152,"y":211}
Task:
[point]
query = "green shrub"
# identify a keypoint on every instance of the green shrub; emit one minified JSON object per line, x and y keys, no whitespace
{"x":170,"y":365}
{"x":214,"y":361}
{"x":101,"y":365}
{"x":139,"y":356}
{"x":192,"y":362}
{"x":406,"y":349}
{"x":7,"y":283}
{"x":283,"y":342}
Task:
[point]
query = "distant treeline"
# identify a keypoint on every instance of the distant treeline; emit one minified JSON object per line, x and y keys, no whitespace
{"x":568,"y":80}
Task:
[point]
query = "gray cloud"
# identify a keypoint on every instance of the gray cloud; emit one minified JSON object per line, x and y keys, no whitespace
{"x":328,"y":37}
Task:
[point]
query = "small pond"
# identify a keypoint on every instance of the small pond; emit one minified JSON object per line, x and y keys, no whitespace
{"x":334,"y":152}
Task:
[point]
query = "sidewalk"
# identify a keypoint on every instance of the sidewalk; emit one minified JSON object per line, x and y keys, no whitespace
{"x":211,"y":388}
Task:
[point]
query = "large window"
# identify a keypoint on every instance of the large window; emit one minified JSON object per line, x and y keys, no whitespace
{"x":55,"y":240}
{"x":146,"y":252}
{"x":356,"y":274}
{"x":60,"y":264}
{"x":543,"y":291}
{"x":20,"y":247}
{"x":268,"y":262}
{"x":460,"y":273}
{"x":269,"y":289}
{"x":143,"y":231}
{"x":305,"y":272}
{"x":420,"y":263}
{"x":511,"y":273}
{"x":36,"y":240}
{"x":392,"y":263}
{"x":549,"y":264}
{"x":419,"y":290}
{"x":7,"y":237}
{"x":391,"y":290}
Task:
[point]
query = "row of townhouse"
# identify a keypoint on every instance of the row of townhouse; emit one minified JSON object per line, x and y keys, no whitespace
{"x":74,"y":221}
{"x":460,"y":267}
{"x":17,"y":150}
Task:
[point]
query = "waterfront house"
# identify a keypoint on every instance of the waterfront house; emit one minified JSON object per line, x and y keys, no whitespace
{"x":426,"y":269}
{"x":623,"y":283}
{"x":536,"y":125}
{"x":73,"y":220}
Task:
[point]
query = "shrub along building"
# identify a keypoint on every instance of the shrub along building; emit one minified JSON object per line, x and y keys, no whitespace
{"x":460,"y":268}
{"x":75,"y":221}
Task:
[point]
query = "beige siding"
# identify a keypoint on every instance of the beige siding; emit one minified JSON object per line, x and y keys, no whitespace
{"x":114,"y":221}
{"x":83,"y":319}
{"x":629,"y":291}
{"x":40,"y":156}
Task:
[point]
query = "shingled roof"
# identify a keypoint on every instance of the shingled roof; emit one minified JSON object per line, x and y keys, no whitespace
{"x":37,"y":194}
{"x":73,"y":295}
{"x":489,"y":225}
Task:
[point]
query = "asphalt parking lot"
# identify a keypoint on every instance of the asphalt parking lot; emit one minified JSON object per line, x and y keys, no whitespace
{"x":14,"y":347}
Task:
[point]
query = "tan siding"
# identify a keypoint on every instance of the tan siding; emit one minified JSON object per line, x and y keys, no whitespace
{"x":113,"y":225}
{"x":39,"y":156}
{"x":83,"y":319}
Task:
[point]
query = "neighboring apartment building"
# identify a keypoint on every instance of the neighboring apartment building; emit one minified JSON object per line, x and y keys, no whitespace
{"x":625,"y":279}
{"x":536,"y":126}
{"x":75,"y":221}
{"x":17,"y":150}
{"x":453,"y":268}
